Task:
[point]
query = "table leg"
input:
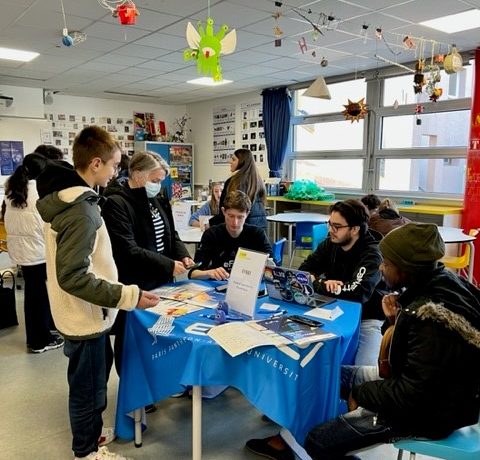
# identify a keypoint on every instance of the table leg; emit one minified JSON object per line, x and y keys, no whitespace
{"x":470,"y":262}
{"x":137,"y":414}
{"x":196,"y":422}
{"x":290,"y":242}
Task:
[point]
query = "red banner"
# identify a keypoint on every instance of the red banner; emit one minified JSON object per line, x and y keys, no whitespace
{"x":471,"y":211}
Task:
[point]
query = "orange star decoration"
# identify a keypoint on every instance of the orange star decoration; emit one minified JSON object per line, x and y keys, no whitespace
{"x":355,"y":111}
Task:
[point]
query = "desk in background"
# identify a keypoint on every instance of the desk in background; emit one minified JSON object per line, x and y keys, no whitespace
{"x":297,"y":390}
{"x":292,"y":218}
{"x":449,"y":216}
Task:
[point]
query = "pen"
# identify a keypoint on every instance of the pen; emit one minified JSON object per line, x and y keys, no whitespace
{"x":278,"y":313}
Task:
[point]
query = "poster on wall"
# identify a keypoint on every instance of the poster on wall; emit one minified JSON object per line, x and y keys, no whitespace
{"x":11,"y":156}
{"x":223,"y":134}
{"x":253,"y":135}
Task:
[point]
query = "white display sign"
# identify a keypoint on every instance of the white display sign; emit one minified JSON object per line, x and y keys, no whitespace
{"x":244,"y":282}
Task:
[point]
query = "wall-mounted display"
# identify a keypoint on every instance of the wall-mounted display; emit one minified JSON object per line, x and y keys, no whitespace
{"x":223,"y":134}
{"x":253,"y":136}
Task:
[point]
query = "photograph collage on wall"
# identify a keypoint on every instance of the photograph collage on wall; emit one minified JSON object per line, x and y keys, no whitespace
{"x":223,"y":134}
{"x":253,"y":134}
{"x":66,"y":127}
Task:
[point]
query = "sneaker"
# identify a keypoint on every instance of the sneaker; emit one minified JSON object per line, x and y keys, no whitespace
{"x":103,"y":454}
{"x":108,"y":435}
{"x":57,"y":343}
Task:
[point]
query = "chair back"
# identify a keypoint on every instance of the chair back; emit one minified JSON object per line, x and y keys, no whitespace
{"x":462,"y":261}
{"x":304,"y":235}
{"x":320,"y":233}
{"x":277,"y":251}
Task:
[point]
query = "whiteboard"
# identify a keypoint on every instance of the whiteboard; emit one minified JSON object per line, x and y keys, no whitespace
{"x":27,"y":130}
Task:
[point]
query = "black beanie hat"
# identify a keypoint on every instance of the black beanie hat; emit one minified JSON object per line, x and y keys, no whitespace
{"x":413,"y":247}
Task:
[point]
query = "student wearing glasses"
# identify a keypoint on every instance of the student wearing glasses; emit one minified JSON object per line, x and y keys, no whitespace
{"x":345,"y":265}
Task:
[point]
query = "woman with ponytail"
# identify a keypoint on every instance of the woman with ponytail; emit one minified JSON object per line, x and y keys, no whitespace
{"x":26,"y":249}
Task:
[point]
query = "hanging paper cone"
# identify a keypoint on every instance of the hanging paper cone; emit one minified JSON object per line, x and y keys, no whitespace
{"x":127,"y":14}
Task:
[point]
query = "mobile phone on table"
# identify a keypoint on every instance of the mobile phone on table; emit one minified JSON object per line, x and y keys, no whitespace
{"x":306,"y":321}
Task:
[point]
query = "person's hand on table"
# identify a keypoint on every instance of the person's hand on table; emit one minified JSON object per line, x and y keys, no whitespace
{"x":178,"y":268}
{"x":147,"y":300}
{"x":218,"y":274}
{"x":333,"y":286}
{"x":188,"y":262}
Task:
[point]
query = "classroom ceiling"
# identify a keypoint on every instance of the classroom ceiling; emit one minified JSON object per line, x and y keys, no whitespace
{"x":145,"y":62}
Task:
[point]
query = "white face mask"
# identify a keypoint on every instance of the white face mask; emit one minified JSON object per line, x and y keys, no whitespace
{"x":153,"y":189}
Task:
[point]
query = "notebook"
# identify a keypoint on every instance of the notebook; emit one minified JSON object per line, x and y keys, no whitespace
{"x":292,"y":285}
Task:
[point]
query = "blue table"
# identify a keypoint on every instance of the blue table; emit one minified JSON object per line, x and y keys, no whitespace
{"x":297,"y":390}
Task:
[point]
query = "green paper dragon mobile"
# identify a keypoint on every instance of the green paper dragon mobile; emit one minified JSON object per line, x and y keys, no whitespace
{"x":206,"y":47}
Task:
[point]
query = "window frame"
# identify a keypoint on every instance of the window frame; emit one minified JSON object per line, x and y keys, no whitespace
{"x":372,"y":151}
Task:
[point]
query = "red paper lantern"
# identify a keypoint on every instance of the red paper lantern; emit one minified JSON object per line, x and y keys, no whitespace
{"x":127,"y":14}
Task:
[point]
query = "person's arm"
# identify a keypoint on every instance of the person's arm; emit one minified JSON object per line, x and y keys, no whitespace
{"x":76,"y":238}
{"x":426,"y":351}
{"x":203,"y":211}
{"x":125,"y":247}
{"x":205,"y":254}
{"x":365,"y":277}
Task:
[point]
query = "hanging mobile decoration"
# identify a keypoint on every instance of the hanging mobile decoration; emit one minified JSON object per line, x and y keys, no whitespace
{"x":303,"y":45}
{"x":364,"y":33}
{"x":125,"y":10}
{"x":408,"y":43}
{"x":277,"y":32}
{"x":431,"y":88}
{"x":418,"y":110}
{"x":355,"y":111}
{"x":453,"y":61}
{"x":206,"y":46}
{"x":70,"y":38}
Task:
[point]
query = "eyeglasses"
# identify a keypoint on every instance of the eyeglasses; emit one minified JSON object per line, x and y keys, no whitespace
{"x":336,"y":227}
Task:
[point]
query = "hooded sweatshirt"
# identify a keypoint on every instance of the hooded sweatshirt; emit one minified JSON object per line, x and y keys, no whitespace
{"x":81,"y":274}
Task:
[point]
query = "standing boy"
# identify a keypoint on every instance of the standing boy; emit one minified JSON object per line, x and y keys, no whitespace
{"x":82,"y":277}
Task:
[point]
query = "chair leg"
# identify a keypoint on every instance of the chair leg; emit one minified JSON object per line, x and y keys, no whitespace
{"x":291,"y":258}
{"x":400,"y":454}
{"x":412,"y":455}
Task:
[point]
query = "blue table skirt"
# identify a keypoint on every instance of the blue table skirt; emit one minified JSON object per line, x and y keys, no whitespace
{"x":296,"y":392}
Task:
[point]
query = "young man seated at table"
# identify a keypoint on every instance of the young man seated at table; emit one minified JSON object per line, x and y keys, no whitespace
{"x":345,"y":265}
{"x":432,"y":384}
{"x":220,"y":243}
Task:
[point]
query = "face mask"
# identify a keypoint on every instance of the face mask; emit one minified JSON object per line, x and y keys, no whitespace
{"x":153,"y":189}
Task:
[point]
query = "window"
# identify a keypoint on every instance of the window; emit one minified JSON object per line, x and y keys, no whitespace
{"x":425,"y":175}
{"x":442,"y":129}
{"x":406,"y":153}
{"x":342,"y":173}
{"x":328,"y":136}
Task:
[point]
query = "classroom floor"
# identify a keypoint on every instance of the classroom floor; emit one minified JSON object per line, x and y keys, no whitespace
{"x":35,"y":425}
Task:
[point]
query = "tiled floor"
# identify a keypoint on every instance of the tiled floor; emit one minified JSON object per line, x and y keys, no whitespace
{"x":34,"y":420}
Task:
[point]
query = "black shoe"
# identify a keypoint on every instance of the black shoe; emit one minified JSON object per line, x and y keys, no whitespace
{"x":263,"y":448}
{"x":150,"y":408}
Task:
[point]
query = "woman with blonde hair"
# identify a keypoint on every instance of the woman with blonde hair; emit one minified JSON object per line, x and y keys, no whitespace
{"x":387,"y":218}
{"x":245,"y":178}
{"x":211,"y":207}
{"x":146,"y":248}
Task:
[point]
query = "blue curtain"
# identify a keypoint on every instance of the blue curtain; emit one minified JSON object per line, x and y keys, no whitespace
{"x":276,"y":124}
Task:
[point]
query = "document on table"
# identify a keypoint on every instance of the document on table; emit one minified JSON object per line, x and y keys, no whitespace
{"x":325,"y":313}
{"x":238,"y":337}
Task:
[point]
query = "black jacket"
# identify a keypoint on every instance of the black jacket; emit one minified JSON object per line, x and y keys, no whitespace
{"x":129,"y":222}
{"x":435,"y":359}
{"x":357,"y":268}
{"x":257,"y":215}
{"x":218,"y":248}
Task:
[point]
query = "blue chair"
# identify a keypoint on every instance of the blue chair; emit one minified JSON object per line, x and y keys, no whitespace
{"x":320,"y":233}
{"x":277,"y":251}
{"x":303,"y":237}
{"x":462,"y":444}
